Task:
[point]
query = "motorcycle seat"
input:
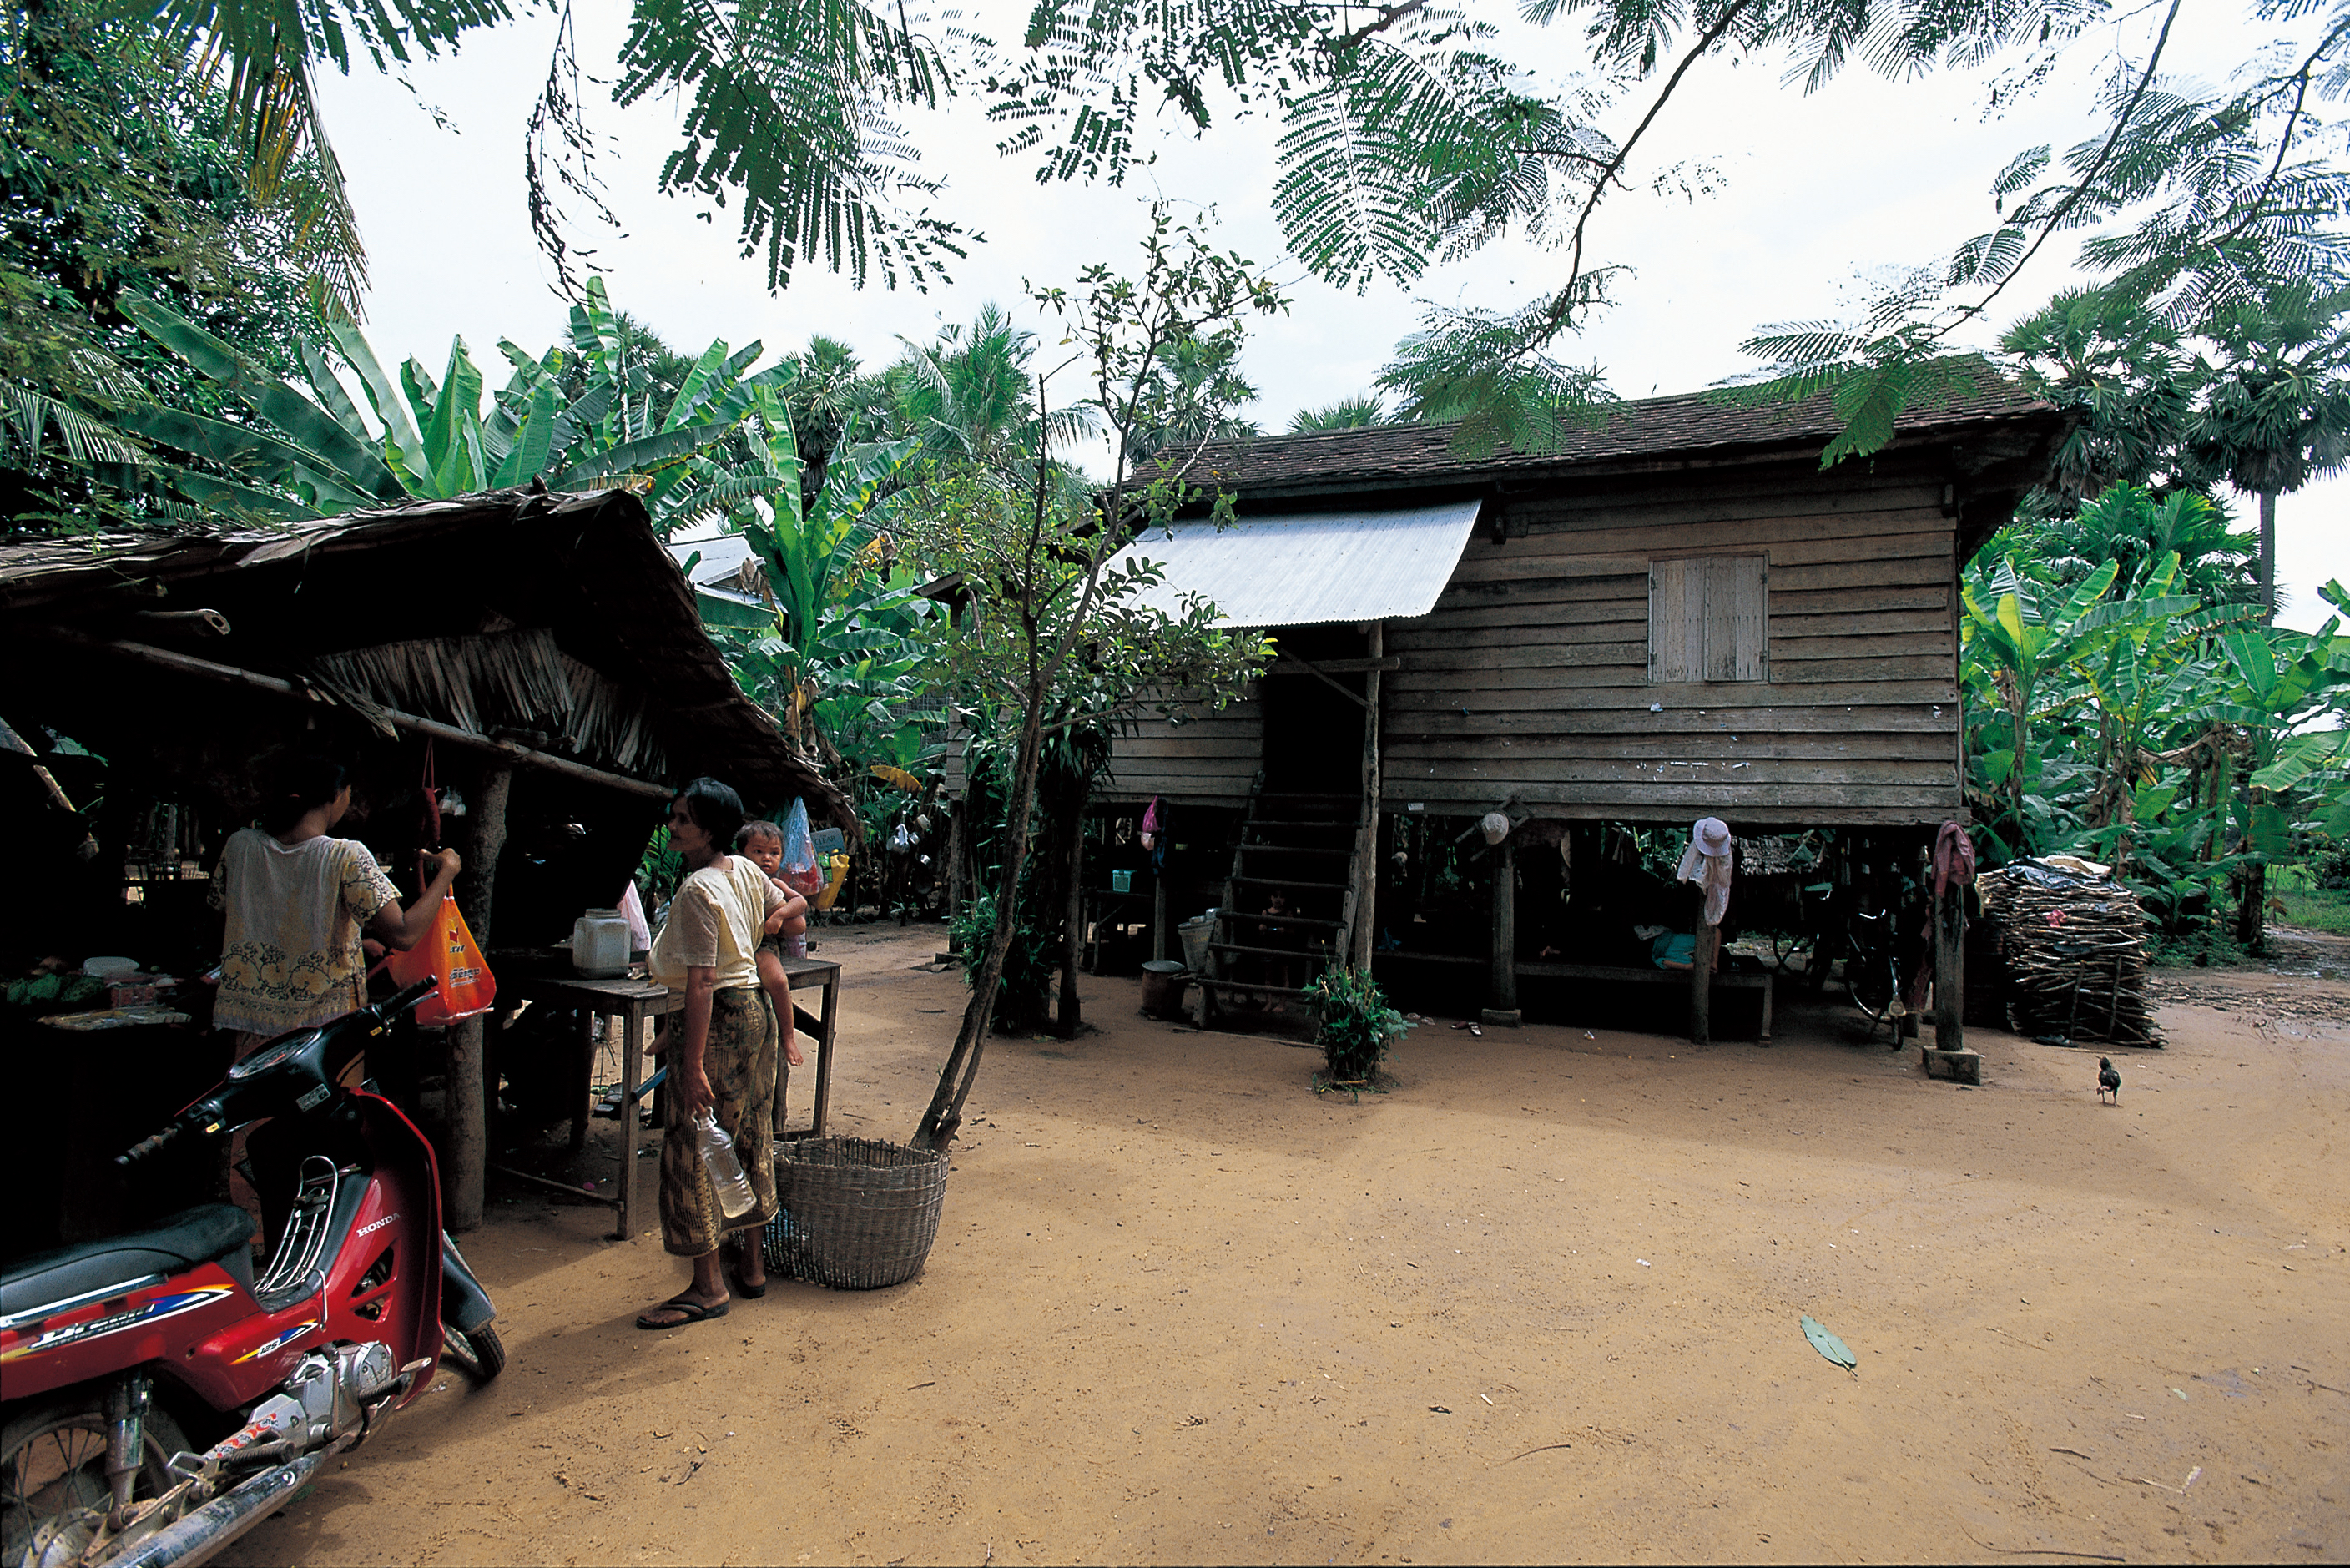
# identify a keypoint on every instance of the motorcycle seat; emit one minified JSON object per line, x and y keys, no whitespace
{"x":192,"y":1237}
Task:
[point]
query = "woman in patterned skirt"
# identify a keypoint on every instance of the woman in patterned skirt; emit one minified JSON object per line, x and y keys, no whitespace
{"x":720,"y":1051}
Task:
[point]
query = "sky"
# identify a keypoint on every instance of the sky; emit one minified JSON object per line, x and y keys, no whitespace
{"x":1806,"y":195}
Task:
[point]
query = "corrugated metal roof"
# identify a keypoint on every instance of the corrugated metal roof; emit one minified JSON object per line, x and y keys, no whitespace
{"x":1310,"y":568}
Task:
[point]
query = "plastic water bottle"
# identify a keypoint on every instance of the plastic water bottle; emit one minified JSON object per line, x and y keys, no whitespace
{"x":735,"y":1197}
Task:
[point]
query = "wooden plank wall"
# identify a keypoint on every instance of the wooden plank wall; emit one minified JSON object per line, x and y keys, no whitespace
{"x":1531,"y":676}
{"x":1209,"y":759}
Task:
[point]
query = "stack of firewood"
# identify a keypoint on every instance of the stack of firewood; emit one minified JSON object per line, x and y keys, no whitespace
{"x":2075,"y":943}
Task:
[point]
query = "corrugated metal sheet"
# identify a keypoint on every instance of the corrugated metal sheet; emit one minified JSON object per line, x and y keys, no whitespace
{"x":1309,"y":568}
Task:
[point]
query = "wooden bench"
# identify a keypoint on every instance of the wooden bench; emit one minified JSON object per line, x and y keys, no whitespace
{"x":1630,"y":975}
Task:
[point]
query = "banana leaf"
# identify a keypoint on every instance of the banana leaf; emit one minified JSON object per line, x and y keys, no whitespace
{"x":336,"y":448}
{"x":400,"y":435}
{"x":265,"y":457}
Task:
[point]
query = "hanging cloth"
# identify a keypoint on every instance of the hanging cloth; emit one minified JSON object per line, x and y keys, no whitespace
{"x":1954,"y":859}
{"x":1706,"y":862}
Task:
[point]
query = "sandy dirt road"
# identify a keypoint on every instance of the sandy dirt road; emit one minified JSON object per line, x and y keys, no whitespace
{"x":1538,"y":1303}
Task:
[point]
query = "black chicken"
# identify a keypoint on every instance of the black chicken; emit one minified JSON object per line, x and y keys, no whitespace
{"x":2108,"y":1081}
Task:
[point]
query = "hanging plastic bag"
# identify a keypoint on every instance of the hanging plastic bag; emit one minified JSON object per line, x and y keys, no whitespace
{"x":447,"y":954}
{"x":800,"y":871}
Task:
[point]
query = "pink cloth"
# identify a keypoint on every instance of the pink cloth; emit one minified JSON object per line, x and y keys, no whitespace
{"x":632,"y":909}
{"x":1954,"y":859}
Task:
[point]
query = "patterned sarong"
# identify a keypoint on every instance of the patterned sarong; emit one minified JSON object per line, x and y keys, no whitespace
{"x":741,"y":1063}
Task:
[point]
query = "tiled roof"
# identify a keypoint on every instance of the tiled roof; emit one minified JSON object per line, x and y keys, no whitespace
{"x":1690,"y":425}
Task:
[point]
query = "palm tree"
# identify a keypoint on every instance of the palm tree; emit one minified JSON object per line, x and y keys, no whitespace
{"x":832,"y":403}
{"x":2106,"y":354}
{"x":970,"y":397}
{"x":1358,"y":412}
{"x":2276,"y":411}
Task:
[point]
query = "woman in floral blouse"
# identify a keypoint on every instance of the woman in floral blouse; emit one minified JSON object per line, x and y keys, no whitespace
{"x":297,"y":902}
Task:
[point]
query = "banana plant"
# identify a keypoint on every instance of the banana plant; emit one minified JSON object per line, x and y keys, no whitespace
{"x":312,"y":452}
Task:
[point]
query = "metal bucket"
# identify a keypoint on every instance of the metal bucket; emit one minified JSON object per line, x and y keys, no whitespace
{"x":1163,"y":984}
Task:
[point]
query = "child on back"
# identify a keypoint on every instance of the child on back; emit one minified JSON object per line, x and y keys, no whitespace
{"x":762,"y":842}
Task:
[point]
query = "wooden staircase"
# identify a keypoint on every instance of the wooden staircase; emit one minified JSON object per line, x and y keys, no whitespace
{"x":1303,"y":847}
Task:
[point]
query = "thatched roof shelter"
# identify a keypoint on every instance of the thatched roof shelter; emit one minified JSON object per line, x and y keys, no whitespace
{"x":537,"y":657}
{"x":553,"y":627}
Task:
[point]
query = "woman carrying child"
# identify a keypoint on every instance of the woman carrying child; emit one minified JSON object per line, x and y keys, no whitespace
{"x":722,"y":1051}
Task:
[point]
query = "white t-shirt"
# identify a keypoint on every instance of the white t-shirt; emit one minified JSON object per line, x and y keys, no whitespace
{"x":715,"y":921}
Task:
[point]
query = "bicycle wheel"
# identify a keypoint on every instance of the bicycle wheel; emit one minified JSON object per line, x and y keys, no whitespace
{"x":479,"y":1355}
{"x":1870,"y":980}
{"x":53,"y":1490}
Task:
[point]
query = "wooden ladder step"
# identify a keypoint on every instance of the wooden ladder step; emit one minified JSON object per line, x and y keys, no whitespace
{"x":1320,"y":823}
{"x":1293,"y":849}
{"x":1310,"y":956}
{"x":1253,"y":989}
{"x":1303,"y":795}
{"x":1281,"y":919}
{"x":1289,"y":883}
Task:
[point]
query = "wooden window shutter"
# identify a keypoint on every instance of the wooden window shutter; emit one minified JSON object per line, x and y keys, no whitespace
{"x":1709,"y":619}
{"x":1676,"y":619}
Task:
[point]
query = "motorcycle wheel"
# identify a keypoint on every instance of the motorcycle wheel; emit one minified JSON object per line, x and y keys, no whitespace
{"x":479,"y":1355}
{"x":53,"y":1487}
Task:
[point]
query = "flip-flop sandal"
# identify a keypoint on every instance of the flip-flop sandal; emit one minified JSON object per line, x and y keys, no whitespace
{"x":694,"y":1310}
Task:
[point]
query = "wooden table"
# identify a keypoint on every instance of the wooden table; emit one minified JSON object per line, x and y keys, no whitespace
{"x":635,"y":999}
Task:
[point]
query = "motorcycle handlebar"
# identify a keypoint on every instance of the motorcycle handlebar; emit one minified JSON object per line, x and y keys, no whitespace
{"x":194,"y":1115}
{"x":211,"y":1109}
{"x":405,"y":998}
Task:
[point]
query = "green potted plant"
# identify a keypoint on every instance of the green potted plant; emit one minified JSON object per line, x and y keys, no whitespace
{"x":1355,"y":1028}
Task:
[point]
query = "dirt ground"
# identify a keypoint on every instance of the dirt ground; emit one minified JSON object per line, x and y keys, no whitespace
{"x":1541,"y":1303}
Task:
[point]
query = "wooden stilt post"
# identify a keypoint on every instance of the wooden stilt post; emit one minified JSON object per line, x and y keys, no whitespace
{"x":1951,"y":969}
{"x":1160,"y":932}
{"x":1502,"y":984}
{"x":462,"y":1171}
{"x":1709,"y":938}
{"x":1365,"y":937}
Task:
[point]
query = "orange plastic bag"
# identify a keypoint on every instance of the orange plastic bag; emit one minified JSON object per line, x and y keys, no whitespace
{"x":447,"y":954}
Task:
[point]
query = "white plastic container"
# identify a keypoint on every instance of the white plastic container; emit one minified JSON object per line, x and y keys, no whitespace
{"x":599,"y":945}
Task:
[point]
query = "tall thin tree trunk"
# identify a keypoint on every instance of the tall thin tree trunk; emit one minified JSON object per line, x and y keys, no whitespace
{"x":1073,"y":934}
{"x":945,"y":1114}
{"x":2268,"y":554}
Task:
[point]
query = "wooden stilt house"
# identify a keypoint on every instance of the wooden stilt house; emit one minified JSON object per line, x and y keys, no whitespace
{"x":1680,"y":614}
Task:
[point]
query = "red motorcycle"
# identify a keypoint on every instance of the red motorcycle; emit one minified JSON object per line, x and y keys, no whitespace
{"x":115,"y":1352}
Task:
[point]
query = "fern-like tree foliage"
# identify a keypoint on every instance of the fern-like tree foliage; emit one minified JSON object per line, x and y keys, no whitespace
{"x":1411,"y":133}
{"x":2188,"y":202}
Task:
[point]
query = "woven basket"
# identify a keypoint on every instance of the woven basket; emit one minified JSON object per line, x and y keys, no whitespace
{"x":854,"y":1213}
